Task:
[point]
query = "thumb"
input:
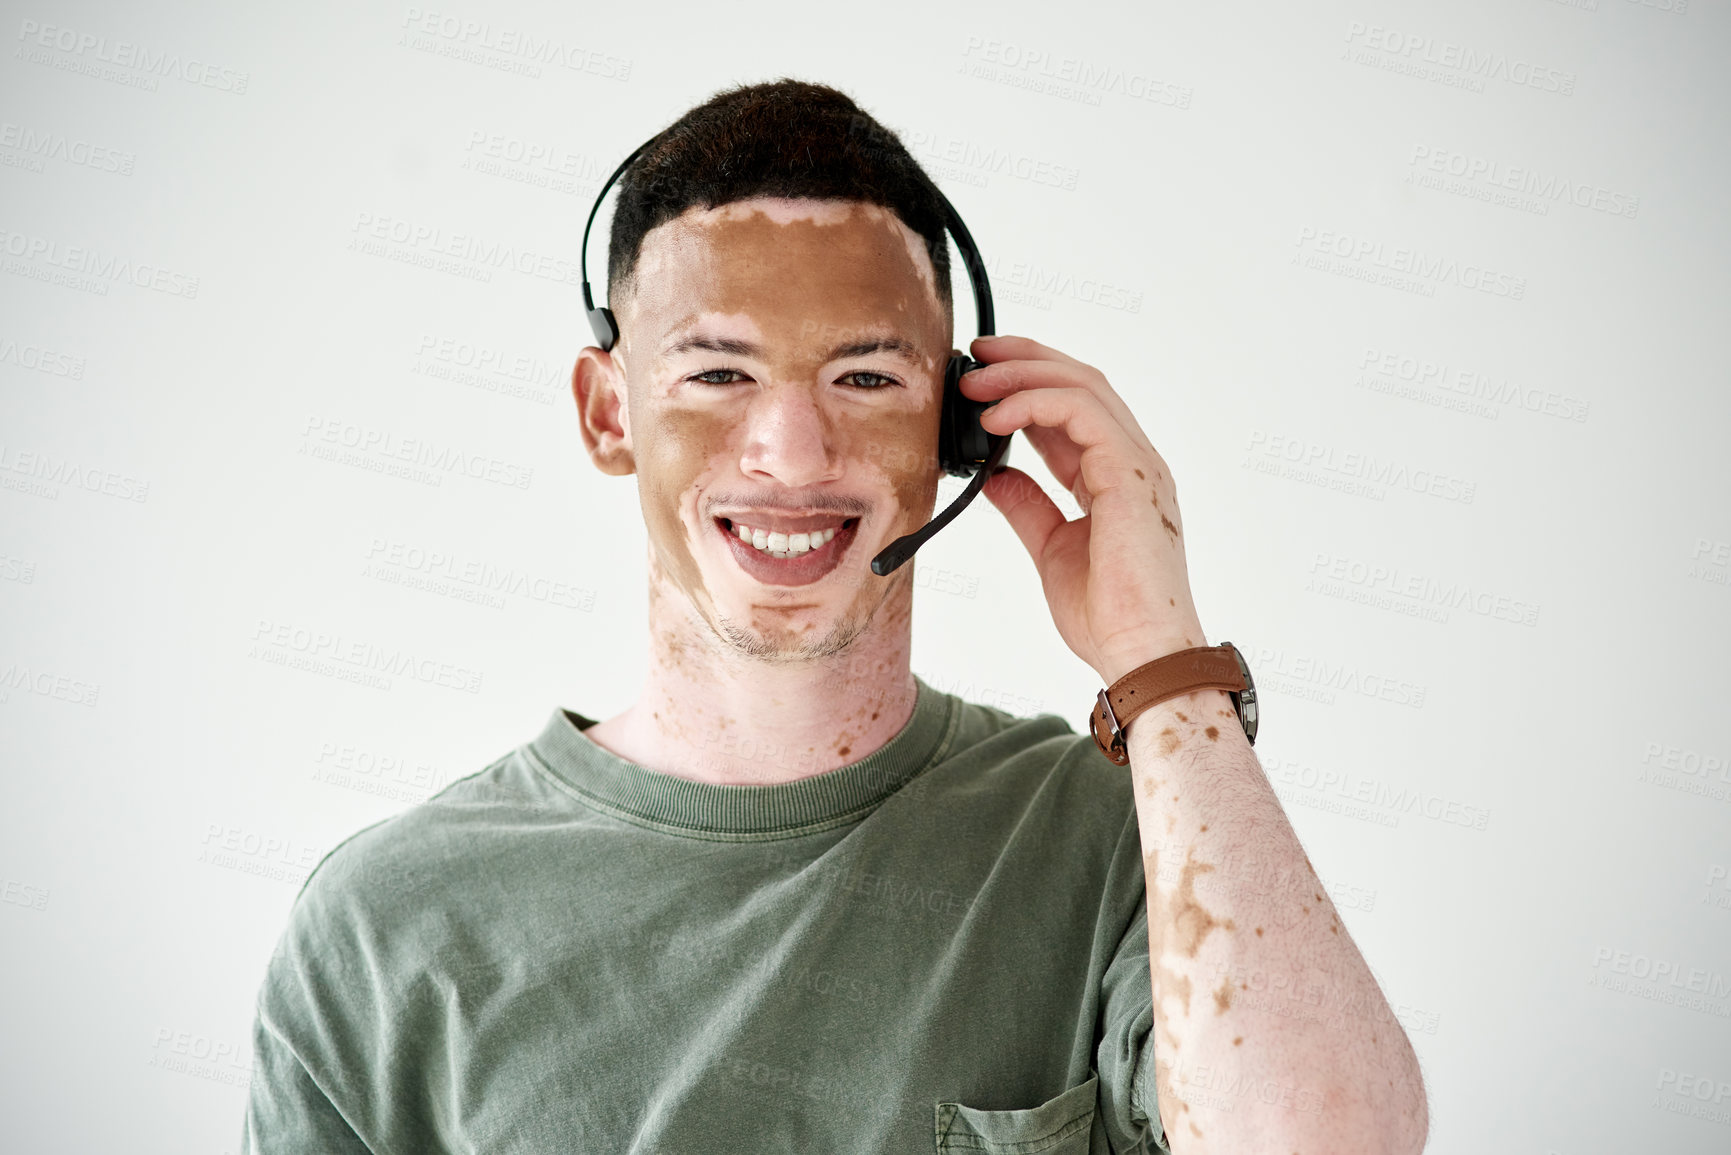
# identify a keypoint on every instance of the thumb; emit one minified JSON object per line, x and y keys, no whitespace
{"x":1030,"y":512}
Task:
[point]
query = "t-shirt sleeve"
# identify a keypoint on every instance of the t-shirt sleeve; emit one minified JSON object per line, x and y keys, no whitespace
{"x":286,"y":1109}
{"x":1125,"y":1058}
{"x":318,"y":1035}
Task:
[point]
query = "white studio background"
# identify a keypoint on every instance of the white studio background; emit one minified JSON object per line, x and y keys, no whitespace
{"x":1423,"y":302}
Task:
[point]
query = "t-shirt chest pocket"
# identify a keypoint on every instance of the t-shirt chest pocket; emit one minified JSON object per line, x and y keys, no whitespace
{"x":1059,"y":1126}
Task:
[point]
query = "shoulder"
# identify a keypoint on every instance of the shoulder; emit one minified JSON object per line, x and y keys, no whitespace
{"x":379,"y":891}
{"x":389,"y":854}
{"x":1026,"y":741}
{"x":1030,"y":811}
{"x":1012,"y":762}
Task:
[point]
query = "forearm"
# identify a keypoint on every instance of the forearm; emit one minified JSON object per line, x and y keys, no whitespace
{"x":1270,"y":1031}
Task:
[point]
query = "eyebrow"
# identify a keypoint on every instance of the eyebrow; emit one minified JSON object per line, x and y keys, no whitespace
{"x":750,"y":349}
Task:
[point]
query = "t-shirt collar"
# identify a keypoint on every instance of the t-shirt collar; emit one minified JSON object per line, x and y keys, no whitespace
{"x":677,"y":805}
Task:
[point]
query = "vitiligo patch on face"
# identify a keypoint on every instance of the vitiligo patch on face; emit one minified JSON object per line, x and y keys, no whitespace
{"x":839,"y":243}
{"x":826,"y":213}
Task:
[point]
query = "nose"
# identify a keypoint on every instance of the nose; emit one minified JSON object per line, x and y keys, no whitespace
{"x":789,"y":438}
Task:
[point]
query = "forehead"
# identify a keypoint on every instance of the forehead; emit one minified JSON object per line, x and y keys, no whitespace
{"x":767,"y":254}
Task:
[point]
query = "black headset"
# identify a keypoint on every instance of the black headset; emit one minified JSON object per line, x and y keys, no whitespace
{"x":964,"y":448}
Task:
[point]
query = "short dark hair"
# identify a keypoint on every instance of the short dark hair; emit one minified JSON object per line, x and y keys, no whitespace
{"x":783,"y":138}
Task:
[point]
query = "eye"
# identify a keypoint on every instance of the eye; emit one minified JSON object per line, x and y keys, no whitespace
{"x":878,"y":380}
{"x":703,"y":377}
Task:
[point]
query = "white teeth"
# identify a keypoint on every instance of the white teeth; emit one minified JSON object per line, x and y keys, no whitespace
{"x":782,"y":545}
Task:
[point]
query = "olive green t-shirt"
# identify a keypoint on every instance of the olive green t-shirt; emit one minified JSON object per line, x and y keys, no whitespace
{"x":941,"y":947}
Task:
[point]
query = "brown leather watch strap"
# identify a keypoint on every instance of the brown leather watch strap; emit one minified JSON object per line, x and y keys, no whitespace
{"x":1202,"y":668}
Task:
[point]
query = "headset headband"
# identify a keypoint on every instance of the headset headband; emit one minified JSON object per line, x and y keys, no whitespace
{"x":607,"y":329}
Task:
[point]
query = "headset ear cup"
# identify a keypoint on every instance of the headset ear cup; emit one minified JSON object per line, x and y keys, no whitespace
{"x":967,"y":443}
{"x":949,"y":456}
{"x":962,"y":444}
{"x":606,"y":329}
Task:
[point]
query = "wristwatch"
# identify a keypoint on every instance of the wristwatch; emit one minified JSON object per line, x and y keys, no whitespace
{"x":1219,"y":667}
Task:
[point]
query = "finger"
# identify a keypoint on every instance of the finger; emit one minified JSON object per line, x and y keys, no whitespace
{"x":1008,"y":347}
{"x":1062,"y":456}
{"x":1032,"y":514}
{"x":1001,"y":378}
{"x":1106,"y":448}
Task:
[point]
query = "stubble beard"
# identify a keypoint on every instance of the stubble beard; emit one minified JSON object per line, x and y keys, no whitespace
{"x":782,"y":648}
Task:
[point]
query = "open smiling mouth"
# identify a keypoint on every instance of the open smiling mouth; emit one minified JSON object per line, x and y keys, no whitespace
{"x":788,"y":559}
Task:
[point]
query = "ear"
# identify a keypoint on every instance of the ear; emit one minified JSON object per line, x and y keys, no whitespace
{"x":598,"y":383}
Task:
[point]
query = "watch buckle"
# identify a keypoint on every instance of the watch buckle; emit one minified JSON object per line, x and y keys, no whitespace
{"x":1115,"y":748}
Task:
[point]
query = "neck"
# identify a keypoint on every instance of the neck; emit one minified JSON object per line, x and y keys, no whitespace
{"x":712,"y":713}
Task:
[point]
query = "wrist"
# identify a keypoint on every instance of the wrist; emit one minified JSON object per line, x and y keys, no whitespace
{"x":1185,"y":686}
{"x":1183,"y":714}
{"x":1125,"y":658}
